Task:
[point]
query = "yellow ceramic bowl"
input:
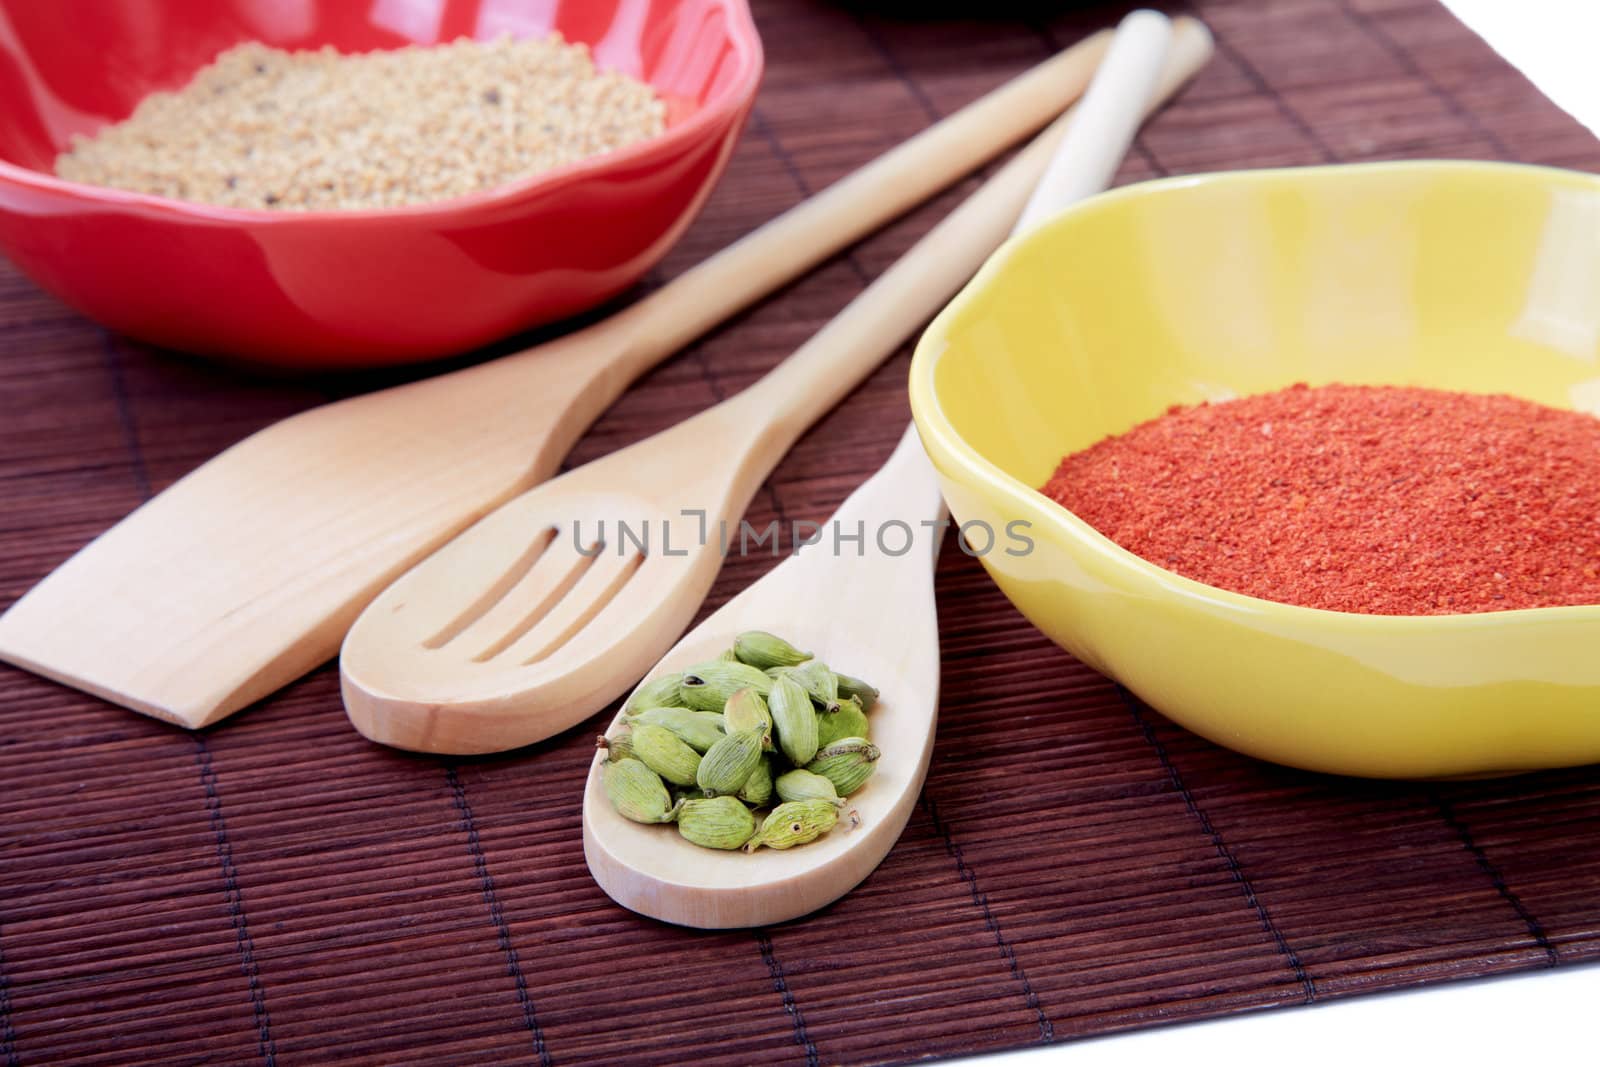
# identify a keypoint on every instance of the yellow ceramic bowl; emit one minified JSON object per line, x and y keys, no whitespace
{"x":1466,"y":276}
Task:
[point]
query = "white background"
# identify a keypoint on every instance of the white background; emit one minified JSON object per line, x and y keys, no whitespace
{"x":1553,"y":42}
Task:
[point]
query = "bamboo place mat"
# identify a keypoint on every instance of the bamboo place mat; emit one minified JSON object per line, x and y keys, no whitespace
{"x":278,"y":889}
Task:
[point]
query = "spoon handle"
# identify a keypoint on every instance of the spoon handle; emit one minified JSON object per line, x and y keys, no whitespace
{"x":1108,"y":118}
{"x":899,"y":511}
{"x":847,"y":210}
{"x":906,"y":489}
{"x":1083,"y":164}
{"x":834,"y":361}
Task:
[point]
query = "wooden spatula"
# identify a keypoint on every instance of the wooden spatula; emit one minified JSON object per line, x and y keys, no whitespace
{"x":247,"y":573}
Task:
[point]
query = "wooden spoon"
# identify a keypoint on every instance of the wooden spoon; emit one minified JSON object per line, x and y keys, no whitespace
{"x":246,"y":573}
{"x":545,"y":611}
{"x":870,"y":615}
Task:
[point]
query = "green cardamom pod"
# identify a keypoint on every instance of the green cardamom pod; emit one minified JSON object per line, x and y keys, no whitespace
{"x":848,"y":721}
{"x":794,"y":822}
{"x":698,"y":729}
{"x":665,"y":753}
{"x":637,"y":792}
{"x":865,"y":694}
{"x":793,"y":721}
{"x":757,"y":788}
{"x":847,"y":763}
{"x":745,"y":710}
{"x":764,"y":650}
{"x":718,"y":822}
{"x":659,"y":692}
{"x":729,"y":656}
{"x":803,"y":785}
{"x":708,"y":686}
{"x":728,"y":764}
{"x":617,"y":747}
{"x":818,"y":681}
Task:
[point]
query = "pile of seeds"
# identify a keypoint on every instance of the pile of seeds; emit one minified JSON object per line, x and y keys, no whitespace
{"x":264,"y":128}
{"x":764,"y":725}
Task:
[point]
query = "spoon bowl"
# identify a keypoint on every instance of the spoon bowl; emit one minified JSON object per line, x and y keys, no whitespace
{"x":878,"y":622}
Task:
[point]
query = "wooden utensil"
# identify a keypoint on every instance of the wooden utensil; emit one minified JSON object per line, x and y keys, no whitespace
{"x":246,"y":573}
{"x":537,"y":617}
{"x":871,"y":615}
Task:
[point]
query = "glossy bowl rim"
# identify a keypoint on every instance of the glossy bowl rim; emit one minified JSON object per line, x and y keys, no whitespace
{"x":973,"y":468}
{"x":747,"y":47}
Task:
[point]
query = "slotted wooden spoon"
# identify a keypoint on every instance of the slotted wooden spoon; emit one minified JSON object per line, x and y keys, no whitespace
{"x":543,"y":612}
{"x":246,"y":573}
{"x":871,"y":615}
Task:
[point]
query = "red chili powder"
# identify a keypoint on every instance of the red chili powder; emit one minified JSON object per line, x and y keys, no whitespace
{"x":1373,"y":499}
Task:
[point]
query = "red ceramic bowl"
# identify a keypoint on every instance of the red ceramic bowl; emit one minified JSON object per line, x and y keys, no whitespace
{"x":347,"y":288}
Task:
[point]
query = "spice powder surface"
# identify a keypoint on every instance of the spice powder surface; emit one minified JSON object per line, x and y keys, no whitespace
{"x":1380,"y":500}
